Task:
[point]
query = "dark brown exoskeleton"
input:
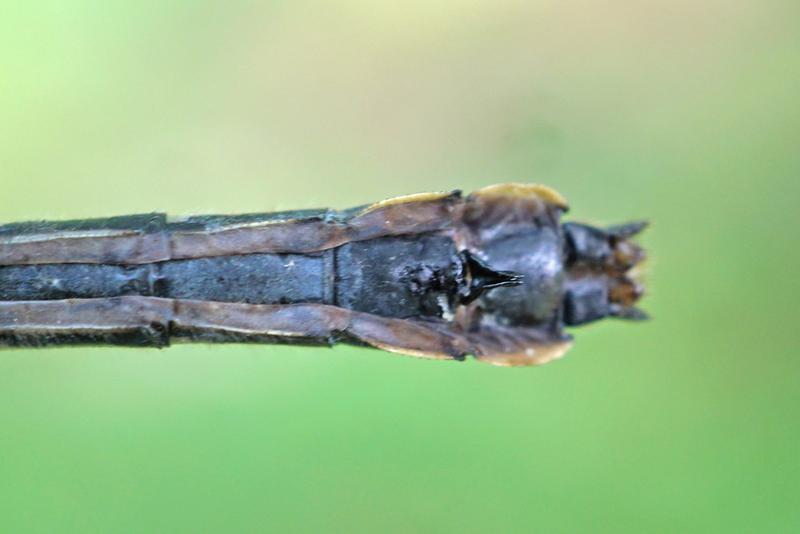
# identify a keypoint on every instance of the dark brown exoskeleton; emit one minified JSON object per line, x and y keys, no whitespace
{"x":437,"y":275}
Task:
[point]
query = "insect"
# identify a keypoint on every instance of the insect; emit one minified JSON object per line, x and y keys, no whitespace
{"x":493,"y":274}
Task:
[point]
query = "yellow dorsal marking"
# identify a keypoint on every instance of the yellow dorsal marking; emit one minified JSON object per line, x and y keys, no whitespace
{"x":519,"y":190}
{"x":405,"y":199}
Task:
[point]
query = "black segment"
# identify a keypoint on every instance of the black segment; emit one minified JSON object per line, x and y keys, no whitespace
{"x":63,"y":281}
{"x":537,"y":256}
{"x":585,"y":300}
{"x":398,"y":276}
{"x":586,"y":243}
{"x":250,"y":278}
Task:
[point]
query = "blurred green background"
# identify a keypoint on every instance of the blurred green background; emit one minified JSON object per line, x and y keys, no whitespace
{"x":682,"y":112}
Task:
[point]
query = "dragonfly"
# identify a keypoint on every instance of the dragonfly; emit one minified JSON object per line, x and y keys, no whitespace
{"x":494,"y":274}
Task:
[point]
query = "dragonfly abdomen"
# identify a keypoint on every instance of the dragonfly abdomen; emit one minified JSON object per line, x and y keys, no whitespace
{"x":435,"y":275}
